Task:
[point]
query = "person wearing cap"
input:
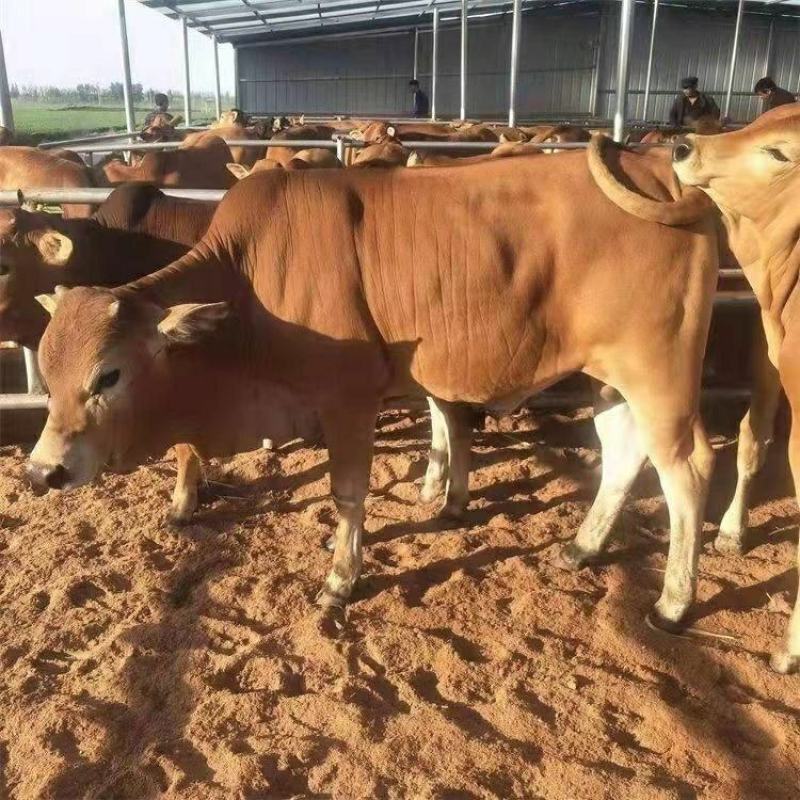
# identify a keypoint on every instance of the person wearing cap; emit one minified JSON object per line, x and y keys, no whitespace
{"x":692,"y":105}
{"x":419,"y":100}
{"x":162,"y":104}
{"x":772,"y":94}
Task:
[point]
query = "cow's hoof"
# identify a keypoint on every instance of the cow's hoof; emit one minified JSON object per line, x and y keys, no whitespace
{"x":785,"y":663}
{"x":659,"y":622}
{"x":329,"y":599}
{"x":729,"y":545}
{"x":453,"y":511}
{"x":430,"y":492}
{"x":179,"y":517}
{"x":571,"y":557}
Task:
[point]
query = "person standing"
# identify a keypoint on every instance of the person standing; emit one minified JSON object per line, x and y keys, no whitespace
{"x":692,"y":105}
{"x":419,"y":100}
{"x":162,"y":104}
{"x":772,"y":94}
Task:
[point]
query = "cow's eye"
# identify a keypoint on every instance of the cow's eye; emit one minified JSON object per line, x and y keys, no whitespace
{"x":4,"y":269}
{"x":775,"y":153}
{"x":106,"y":381}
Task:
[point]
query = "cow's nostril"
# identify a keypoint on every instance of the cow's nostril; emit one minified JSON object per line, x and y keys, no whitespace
{"x":681,"y":151}
{"x":56,"y":477}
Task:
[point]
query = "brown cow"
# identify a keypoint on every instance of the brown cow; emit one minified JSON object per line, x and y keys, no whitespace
{"x":752,"y":176}
{"x":312,"y":158}
{"x":383,"y":151}
{"x":283,"y":155}
{"x":31,"y":168}
{"x":202,"y":164}
{"x":433,"y":159}
{"x":136,"y":231}
{"x":234,"y":124}
{"x":327,"y":298}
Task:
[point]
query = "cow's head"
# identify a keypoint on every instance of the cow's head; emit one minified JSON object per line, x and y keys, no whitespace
{"x":34,"y":258}
{"x":753,"y":172}
{"x":108,"y":359}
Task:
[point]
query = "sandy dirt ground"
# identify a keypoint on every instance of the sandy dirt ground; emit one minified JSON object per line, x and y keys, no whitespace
{"x":140,"y":660}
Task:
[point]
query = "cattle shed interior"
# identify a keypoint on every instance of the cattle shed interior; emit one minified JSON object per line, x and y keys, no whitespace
{"x":355,"y":57}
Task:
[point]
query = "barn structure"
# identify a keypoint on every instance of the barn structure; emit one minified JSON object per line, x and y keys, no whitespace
{"x":356,"y":56}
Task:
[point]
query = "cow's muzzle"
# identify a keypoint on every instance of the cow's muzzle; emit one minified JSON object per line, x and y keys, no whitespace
{"x":48,"y":476}
{"x":682,"y":150}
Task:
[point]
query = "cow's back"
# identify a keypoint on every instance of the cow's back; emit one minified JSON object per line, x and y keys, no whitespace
{"x":143,"y":208}
{"x":457,"y":271}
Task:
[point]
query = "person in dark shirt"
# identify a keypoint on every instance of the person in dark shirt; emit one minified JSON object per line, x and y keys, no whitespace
{"x":162,"y":104}
{"x":772,"y":94}
{"x":692,"y":105}
{"x":419,"y":100}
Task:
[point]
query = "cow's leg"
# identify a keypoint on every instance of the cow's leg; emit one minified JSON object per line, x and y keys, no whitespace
{"x":456,"y":420}
{"x":755,"y":432}
{"x":349,"y":434}
{"x":184,"y":498}
{"x":788,"y":659}
{"x":622,"y":460}
{"x":680,"y":451}
{"x":436,"y":475}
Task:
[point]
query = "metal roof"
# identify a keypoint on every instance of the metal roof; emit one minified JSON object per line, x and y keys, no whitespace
{"x":244,"y":21}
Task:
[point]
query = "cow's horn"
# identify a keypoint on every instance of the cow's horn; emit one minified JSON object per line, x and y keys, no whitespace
{"x":692,"y":207}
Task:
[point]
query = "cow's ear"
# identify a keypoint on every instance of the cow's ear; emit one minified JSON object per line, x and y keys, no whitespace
{"x":189,"y":322}
{"x":50,"y":301}
{"x":238,"y":171}
{"x":54,"y":247}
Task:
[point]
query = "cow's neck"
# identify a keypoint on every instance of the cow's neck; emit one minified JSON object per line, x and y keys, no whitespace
{"x":768,"y":250}
{"x":201,"y":276}
{"x":114,"y":257}
{"x":215,"y":400}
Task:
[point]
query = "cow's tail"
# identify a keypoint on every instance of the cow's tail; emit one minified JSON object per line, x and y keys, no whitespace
{"x":691,"y":207}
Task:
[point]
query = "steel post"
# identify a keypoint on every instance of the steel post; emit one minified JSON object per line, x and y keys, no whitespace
{"x":416,"y":51}
{"x":463,"y":114}
{"x":623,"y":63}
{"x":734,"y":54}
{"x":514,"y":69}
{"x":130,"y":119}
{"x":434,"y":61}
{"x":187,"y":88}
{"x":217,"y":97}
{"x":6,"y":112}
{"x":650,"y":52}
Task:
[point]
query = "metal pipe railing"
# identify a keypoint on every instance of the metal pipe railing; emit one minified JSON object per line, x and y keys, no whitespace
{"x":52,"y":196}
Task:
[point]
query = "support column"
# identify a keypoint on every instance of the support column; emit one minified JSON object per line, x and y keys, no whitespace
{"x":130,"y":119}
{"x":217,"y":97}
{"x":434,"y":61}
{"x":514,"y":71}
{"x":463,"y":115}
{"x":734,"y":54}
{"x":648,"y":79}
{"x":416,"y":51}
{"x":187,"y":89}
{"x":6,"y":113}
{"x":623,"y":57}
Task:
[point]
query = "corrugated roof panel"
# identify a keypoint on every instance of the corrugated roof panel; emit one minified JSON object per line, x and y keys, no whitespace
{"x":248,"y":20}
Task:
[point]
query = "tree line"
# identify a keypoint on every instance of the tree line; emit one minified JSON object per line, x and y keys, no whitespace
{"x":86,"y":93}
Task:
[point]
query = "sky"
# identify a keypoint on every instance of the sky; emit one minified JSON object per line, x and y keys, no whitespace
{"x":67,"y":42}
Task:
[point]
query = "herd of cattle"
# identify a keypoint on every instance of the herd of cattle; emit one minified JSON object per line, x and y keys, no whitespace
{"x":306,"y":299}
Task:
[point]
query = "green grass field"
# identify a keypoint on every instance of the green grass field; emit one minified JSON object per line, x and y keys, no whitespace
{"x":38,"y":123}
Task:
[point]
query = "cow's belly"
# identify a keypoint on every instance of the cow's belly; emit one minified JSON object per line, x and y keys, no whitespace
{"x":497,"y":361}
